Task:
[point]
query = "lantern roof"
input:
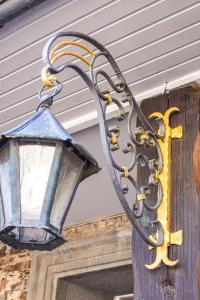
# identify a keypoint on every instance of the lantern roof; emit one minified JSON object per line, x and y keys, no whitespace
{"x":43,"y":125}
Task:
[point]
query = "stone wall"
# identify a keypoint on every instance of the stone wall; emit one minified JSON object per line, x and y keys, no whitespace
{"x":14,"y":273}
{"x":15,"y":264}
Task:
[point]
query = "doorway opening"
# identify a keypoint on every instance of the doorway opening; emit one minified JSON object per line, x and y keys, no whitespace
{"x":105,"y":284}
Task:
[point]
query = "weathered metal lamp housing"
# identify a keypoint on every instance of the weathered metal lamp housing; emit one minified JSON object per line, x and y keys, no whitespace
{"x":40,"y":170}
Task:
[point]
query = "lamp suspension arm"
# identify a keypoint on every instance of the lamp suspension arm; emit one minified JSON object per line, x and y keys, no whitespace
{"x":144,"y":135}
{"x":54,"y":70}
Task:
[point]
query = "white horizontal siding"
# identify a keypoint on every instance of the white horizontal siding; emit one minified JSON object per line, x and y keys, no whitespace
{"x":152,"y":41}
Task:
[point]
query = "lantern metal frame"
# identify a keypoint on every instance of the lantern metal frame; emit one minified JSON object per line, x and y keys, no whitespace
{"x":42,"y":128}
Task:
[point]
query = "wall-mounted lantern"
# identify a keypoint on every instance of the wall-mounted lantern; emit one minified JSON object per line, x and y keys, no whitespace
{"x":40,"y":170}
{"x":41,"y":167}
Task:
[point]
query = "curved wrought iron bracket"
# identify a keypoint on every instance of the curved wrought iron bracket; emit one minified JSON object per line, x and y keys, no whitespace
{"x":118,"y":93}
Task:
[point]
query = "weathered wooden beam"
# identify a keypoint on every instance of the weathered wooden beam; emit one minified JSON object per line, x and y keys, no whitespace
{"x":180,"y":282}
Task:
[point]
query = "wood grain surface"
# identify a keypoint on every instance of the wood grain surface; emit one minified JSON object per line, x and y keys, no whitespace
{"x":182,"y":281}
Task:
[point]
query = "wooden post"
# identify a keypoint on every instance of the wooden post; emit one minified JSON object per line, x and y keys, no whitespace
{"x":180,"y":282}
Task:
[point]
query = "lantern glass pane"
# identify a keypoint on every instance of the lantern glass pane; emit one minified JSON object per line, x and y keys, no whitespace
{"x":68,"y":179}
{"x":32,"y":235}
{"x":35,"y":166}
{"x":5,"y":184}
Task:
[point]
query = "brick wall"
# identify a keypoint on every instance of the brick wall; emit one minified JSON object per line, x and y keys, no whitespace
{"x":15,"y":264}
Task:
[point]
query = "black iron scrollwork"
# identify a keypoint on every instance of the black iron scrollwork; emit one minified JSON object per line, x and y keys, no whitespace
{"x":144,"y":135}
